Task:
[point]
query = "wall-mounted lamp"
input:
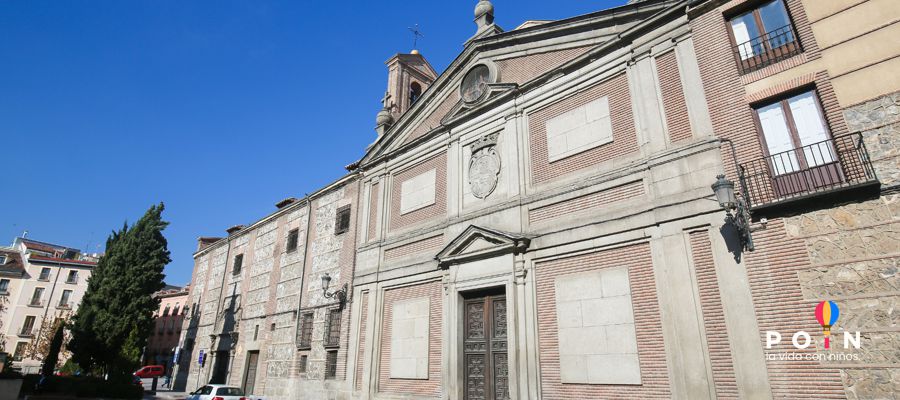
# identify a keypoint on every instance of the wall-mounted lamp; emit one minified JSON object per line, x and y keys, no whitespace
{"x":736,"y":207}
{"x":341,"y":294}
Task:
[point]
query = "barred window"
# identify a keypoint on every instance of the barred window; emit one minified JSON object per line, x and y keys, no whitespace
{"x":331,"y":364}
{"x":238,"y":263}
{"x":303,"y":361}
{"x":305,"y":333}
{"x":342,"y":222}
{"x":333,"y":328}
{"x":293,"y":237}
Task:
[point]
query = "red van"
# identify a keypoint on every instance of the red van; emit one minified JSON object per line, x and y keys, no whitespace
{"x":150,"y":371}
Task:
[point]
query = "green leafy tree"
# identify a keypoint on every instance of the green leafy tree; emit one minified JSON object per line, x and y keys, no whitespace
{"x":41,"y":345}
{"x":116,"y":313}
{"x":3,"y":301}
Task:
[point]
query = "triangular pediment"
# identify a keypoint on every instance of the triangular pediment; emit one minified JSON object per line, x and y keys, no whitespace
{"x":477,"y":243}
{"x":525,"y":58}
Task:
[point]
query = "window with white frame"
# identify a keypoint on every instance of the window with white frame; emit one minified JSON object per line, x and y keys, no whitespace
{"x":795,"y":133}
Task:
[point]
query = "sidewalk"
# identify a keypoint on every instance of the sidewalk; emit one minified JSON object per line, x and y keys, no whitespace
{"x":165,"y":394}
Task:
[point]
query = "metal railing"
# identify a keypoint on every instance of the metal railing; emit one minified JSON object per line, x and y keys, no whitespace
{"x":809,"y":170}
{"x":26,"y":331}
{"x":72,"y":281}
{"x":64,"y":304}
{"x":768,"y":49}
{"x":36,"y":303}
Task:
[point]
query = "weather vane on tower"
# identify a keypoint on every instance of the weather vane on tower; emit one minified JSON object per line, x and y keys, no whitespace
{"x":416,"y":35}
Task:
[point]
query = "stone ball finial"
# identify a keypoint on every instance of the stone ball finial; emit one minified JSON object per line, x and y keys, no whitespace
{"x":384,"y":117}
{"x":484,"y":7}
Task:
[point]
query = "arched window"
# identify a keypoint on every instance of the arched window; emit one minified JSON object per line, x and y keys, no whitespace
{"x":165,"y":311}
{"x":415,"y":91}
{"x":175,"y":310}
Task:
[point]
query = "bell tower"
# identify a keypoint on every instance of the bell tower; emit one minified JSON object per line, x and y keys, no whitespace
{"x":409,"y":75}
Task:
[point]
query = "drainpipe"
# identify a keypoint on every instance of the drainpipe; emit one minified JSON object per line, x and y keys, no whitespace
{"x":49,"y":298}
{"x":303,"y":269}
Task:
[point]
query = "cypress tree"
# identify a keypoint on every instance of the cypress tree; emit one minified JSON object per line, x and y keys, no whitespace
{"x":116,"y":314}
{"x":52,"y":356}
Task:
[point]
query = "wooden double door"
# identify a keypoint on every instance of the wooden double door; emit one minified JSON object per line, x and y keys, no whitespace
{"x":485,"y":346}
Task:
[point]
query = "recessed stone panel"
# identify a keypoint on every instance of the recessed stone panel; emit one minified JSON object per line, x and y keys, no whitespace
{"x":580,"y":129}
{"x":418,"y":191}
{"x":409,"y":339}
{"x":595,"y":319}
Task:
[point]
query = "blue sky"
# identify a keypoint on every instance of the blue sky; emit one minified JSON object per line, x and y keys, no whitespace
{"x":217,"y":108}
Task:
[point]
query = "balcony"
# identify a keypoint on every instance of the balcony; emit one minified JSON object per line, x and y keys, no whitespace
{"x":760,"y":52}
{"x":26,"y":331}
{"x":831,"y":168}
{"x":35,"y":303}
{"x":72,"y":281}
{"x":65,"y":305}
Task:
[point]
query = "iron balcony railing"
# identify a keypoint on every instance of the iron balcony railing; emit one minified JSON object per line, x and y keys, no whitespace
{"x":36,"y":303}
{"x":768,"y":49}
{"x":811,"y":170}
{"x":26,"y":331}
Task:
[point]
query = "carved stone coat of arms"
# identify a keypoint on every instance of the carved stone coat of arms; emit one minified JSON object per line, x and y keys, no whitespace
{"x":484,"y":166}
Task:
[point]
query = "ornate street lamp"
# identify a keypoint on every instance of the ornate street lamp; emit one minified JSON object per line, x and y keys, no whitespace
{"x":736,"y":207}
{"x":340,"y":294}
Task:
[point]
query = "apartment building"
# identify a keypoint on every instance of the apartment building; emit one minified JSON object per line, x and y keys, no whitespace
{"x":167,"y":324}
{"x":41,"y":282}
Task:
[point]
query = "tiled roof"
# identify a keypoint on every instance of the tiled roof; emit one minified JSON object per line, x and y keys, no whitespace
{"x":34,"y":258}
{"x":13,"y":262}
{"x":40,"y":246}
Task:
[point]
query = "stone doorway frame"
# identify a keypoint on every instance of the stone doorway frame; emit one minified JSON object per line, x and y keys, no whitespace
{"x":476,"y":260}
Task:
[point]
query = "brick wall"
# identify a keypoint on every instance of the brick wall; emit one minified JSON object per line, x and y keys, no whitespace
{"x":674,"y":104}
{"x":586,"y":202}
{"x":651,"y":350}
{"x":713,"y":316}
{"x":624,"y":135}
{"x":731,"y":115}
{"x":373,"y":211}
{"x":525,"y":68}
{"x":433,"y":120}
{"x":414,"y":247}
{"x":430,"y":387}
{"x":438,"y":209}
{"x":361,"y":347}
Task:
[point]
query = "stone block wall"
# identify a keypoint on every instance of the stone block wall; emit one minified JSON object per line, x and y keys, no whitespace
{"x":332,"y":253}
{"x":854,"y":260}
{"x":879,"y":122}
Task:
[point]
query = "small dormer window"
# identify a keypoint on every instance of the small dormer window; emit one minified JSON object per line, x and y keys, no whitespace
{"x":415,"y":91}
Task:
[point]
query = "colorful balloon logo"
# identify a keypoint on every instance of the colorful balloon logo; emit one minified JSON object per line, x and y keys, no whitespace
{"x":827,"y":314}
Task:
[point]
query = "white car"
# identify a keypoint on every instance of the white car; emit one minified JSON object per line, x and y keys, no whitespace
{"x":217,"y":392}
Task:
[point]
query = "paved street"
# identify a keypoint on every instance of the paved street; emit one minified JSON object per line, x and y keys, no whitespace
{"x":161,"y":392}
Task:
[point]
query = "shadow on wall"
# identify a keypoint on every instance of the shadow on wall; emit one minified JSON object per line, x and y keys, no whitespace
{"x":732,"y":240}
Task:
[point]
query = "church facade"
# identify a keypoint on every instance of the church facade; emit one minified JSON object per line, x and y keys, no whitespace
{"x":537,"y":221}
